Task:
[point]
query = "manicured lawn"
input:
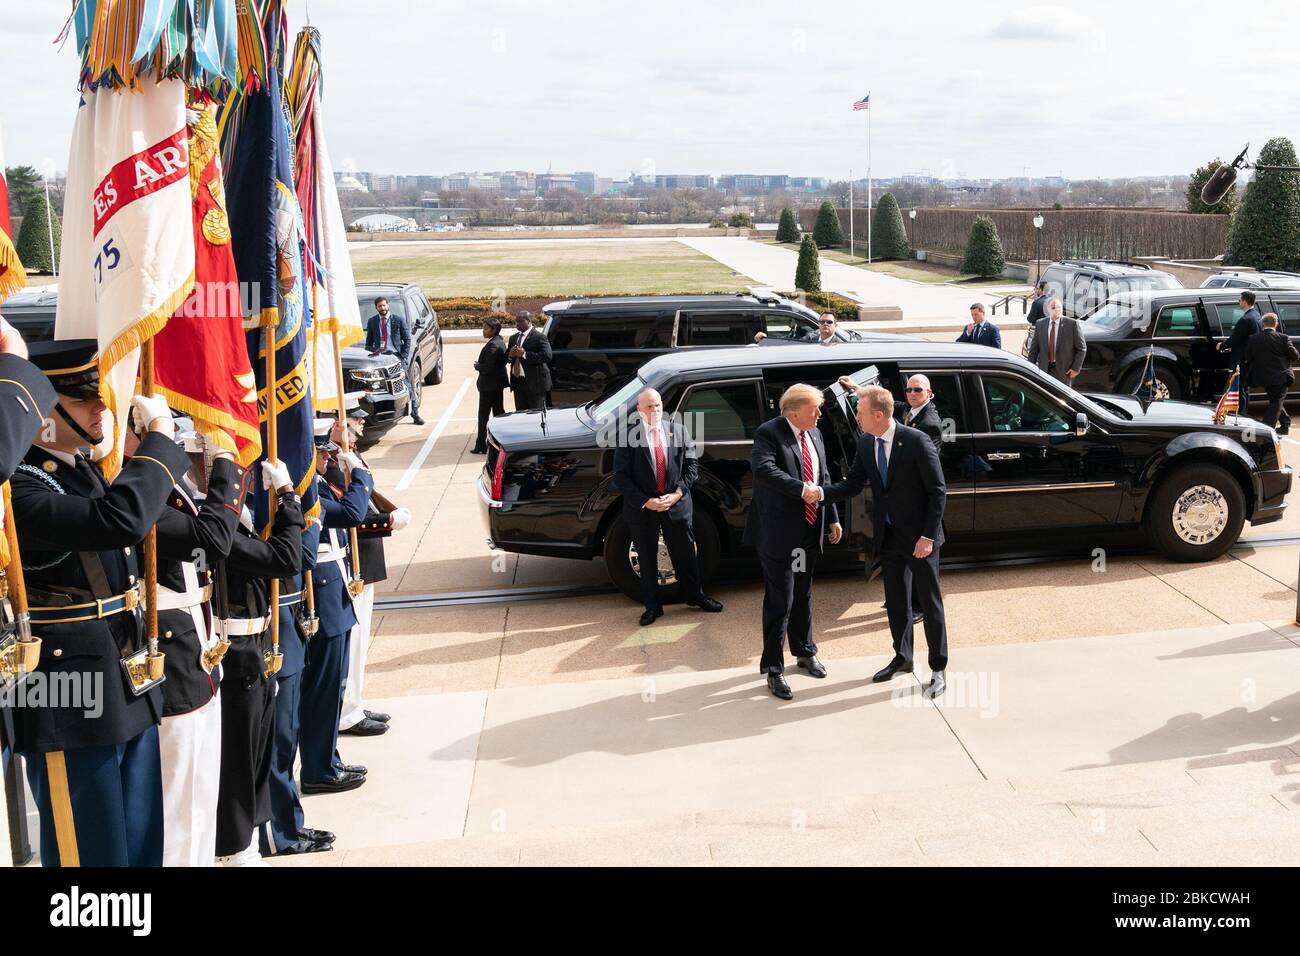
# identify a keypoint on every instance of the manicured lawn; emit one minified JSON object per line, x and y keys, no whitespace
{"x":534,"y":267}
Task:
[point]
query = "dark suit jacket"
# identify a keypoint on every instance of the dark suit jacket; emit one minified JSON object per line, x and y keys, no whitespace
{"x":1235,"y":344}
{"x":775,"y":524}
{"x":634,"y":473}
{"x":537,"y":360}
{"x":1037,"y":309}
{"x":1270,"y":356}
{"x":928,"y":422}
{"x":913,"y":501}
{"x":374,"y":528}
{"x":492,"y":365}
{"x":986,"y":333}
{"x":400,"y":340}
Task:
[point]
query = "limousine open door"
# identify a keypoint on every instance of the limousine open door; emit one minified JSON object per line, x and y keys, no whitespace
{"x":840,"y":431}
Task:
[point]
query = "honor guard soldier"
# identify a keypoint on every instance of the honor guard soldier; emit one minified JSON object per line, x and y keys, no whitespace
{"x":92,"y":762}
{"x":193,"y":539}
{"x":382,"y":519}
{"x":322,"y":685}
{"x":248,"y":705}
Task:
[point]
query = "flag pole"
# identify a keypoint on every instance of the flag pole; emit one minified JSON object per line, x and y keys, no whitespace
{"x":868,"y":178}
{"x":850,"y":212}
{"x":345,"y":438}
{"x":150,"y":544}
{"x":275,"y":659}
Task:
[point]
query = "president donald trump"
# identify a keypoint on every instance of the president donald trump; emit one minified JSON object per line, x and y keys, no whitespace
{"x":787,"y":529}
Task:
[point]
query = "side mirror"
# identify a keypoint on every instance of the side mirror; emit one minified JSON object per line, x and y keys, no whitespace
{"x":1081,"y":426}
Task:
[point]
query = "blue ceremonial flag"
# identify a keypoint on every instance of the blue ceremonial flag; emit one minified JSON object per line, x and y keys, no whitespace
{"x":267,"y":236}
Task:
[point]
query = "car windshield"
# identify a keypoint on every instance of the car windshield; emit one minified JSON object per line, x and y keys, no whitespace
{"x":613,"y":402}
{"x":1122,"y":314}
{"x":366,"y":303}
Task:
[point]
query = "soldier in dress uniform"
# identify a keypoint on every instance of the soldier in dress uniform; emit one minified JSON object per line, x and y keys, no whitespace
{"x":93,"y":763}
{"x":322,"y":686}
{"x":194,"y":537}
{"x":248,"y":709}
{"x":382,"y":519}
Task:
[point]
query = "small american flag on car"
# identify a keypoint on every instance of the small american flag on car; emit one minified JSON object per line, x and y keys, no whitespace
{"x":1231,"y":400}
{"x":863,"y":103}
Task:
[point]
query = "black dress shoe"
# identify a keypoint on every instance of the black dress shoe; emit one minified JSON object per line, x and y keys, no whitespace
{"x":813,"y":666}
{"x":779,"y":688}
{"x":918,"y":617}
{"x":353,"y":768}
{"x":706,"y":603}
{"x":365,"y":727}
{"x":650,"y":614}
{"x":337,"y":784}
{"x":315,"y":836}
{"x":304,"y":846}
{"x":375,"y":715}
{"x":417,"y":419}
{"x":896,"y":666}
{"x":478,"y":451}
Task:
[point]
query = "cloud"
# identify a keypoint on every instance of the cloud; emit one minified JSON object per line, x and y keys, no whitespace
{"x":1046,"y":24}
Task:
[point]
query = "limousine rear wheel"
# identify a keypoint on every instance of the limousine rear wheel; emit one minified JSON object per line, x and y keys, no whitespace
{"x":1196,"y":513}
{"x":623,"y":563}
{"x":1168,"y":384}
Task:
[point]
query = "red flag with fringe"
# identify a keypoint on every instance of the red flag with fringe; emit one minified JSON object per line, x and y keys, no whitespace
{"x":12,"y":276}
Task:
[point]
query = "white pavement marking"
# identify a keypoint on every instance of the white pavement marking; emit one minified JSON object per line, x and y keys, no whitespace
{"x":429,"y":442}
{"x":1291,"y":440}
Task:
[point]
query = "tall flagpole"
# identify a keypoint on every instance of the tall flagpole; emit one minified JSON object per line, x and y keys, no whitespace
{"x":868,"y":178}
{"x":850,"y":212}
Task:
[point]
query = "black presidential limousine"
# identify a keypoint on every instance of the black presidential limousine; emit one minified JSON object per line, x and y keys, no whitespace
{"x":1031,"y":466}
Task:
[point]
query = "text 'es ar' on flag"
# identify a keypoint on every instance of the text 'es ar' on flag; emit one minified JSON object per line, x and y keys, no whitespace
{"x":200,"y":356}
{"x":127,"y":261}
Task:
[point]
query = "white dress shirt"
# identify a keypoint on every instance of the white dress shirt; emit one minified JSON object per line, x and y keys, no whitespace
{"x":812,"y":453}
{"x":888,"y":438}
{"x":912,"y":413}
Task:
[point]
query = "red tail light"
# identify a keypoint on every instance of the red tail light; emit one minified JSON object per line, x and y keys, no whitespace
{"x":498,"y":475}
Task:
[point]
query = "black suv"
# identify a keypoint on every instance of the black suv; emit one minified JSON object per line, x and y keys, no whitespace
{"x":406,"y":300}
{"x":1031,"y":466}
{"x":1084,"y":284}
{"x":1181,"y":328}
{"x":597,"y":344}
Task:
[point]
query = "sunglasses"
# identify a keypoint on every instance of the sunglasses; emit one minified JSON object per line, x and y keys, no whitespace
{"x":831,"y":322}
{"x":917,"y":391}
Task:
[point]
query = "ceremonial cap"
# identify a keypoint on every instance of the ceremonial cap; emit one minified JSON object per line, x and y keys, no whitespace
{"x":71,"y":365}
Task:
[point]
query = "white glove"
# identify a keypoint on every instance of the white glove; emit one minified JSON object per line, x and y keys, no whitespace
{"x":352,"y":460}
{"x":399,"y":519}
{"x":275,"y":474}
{"x":146,"y":409}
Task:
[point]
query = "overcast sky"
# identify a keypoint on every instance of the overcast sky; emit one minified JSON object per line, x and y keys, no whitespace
{"x":958,"y":87}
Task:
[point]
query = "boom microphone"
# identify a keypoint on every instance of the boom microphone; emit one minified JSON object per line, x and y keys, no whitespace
{"x":1217,"y":186}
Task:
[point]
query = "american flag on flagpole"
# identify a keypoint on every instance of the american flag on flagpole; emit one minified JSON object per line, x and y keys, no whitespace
{"x":863,"y":103}
{"x":1231,"y":400}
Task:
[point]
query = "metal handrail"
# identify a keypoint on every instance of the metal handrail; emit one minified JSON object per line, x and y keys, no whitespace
{"x":1005,"y":302}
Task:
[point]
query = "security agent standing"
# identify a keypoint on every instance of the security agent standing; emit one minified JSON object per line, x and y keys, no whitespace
{"x":1270,"y":356}
{"x":327,"y":665}
{"x":1248,"y":325}
{"x":355,"y":720}
{"x":1058,"y":347}
{"x":390,"y":334}
{"x":901,"y":465}
{"x":193,"y":539}
{"x":654,"y":471}
{"x":492,"y":381}
{"x":980,"y":331}
{"x":95,"y":776}
{"x":530,"y":354}
{"x":248,"y":708}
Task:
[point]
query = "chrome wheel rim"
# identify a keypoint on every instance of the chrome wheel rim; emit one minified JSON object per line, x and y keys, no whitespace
{"x":1161,"y":388}
{"x":1200,"y":514}
{"x":667,"y":573}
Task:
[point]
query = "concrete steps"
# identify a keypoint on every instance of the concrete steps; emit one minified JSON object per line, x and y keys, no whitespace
{"x":1238,"y":809}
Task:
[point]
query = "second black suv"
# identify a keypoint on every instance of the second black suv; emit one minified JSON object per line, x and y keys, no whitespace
{"x":1084,"y":284}
{"x":597,"y":344}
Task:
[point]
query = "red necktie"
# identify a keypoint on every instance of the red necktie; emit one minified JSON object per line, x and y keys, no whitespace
{"x":383,"y":328}
{"x":661,"y":466}
{"x":809,"y":507}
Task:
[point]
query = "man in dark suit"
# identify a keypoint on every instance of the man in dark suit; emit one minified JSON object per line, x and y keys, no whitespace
{"x":653,"y":471}
{"x":1038,"y":308}
{"x":1248,"y":325}
{"x":1058,"y":347}
{"x":529,"y":352}
{"x":388,"y":333}
{"x":787,"y":526}
{"x":907,"y":491}
{"x":980,"y":331}
{"x":492,"y":382}
{"x":1270,"y":356}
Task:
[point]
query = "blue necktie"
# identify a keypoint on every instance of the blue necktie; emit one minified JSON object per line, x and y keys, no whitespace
{"x":882,"y":463}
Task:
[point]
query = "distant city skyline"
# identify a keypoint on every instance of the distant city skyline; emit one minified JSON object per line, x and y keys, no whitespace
{"x":977,"y":90}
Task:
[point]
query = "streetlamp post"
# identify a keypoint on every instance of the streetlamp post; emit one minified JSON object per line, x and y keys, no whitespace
{"x":916,"y":245}
{"x":1038,"y":247}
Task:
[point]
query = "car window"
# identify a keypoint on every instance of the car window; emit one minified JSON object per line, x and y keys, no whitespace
{"x":1015,"y":406}
{"x":782,"y":323}
{"x":1078,"y":298}
{"x":714,"y":413}
{"x":723,"y":328}
{"x":946,"y":400}
{"x":1288,"y":314}
{"x":1177,"y":320}
{"x":367,"y":305}
{"x":626,"y":395}
{"x":1228,"y":316}
{"x":606,"y":332}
